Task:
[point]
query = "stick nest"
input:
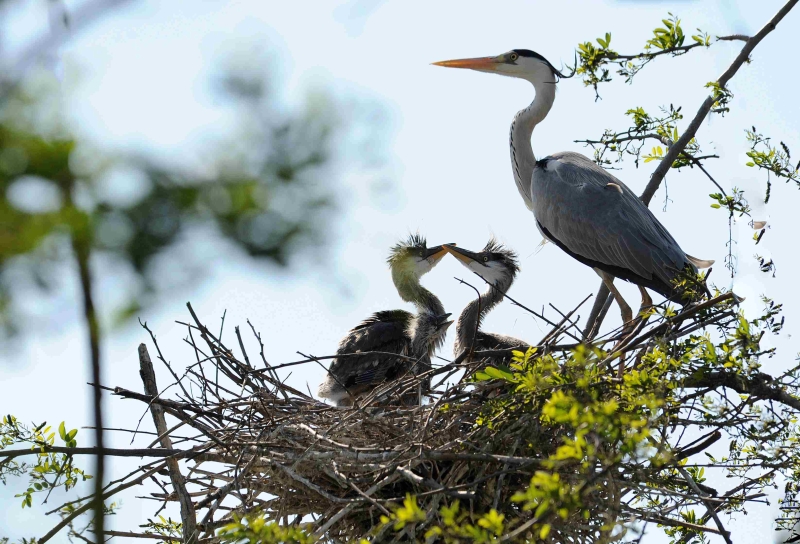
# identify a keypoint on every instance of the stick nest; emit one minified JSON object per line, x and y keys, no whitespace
{"x":263,"y":446}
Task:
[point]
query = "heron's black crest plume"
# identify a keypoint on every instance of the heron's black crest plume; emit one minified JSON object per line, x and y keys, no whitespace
{"x":529,"y":53}
{"x":535,"y":55}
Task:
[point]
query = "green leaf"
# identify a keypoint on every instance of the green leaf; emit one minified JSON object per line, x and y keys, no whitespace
{"x":62,"y":432}
{"x":498,"y":374}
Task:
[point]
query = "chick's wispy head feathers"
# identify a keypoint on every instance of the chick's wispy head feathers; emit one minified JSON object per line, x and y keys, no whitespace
{"x":415,"y":244}
{"x":498,"y":252}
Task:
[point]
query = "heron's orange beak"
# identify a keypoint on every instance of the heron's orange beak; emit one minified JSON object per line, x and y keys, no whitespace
{"x":480,"y":63}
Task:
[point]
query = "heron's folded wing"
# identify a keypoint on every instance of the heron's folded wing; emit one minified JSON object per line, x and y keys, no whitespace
{"x":606,"y":224}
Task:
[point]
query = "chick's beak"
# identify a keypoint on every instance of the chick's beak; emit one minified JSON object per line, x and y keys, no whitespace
{"x":483,"y":64}
{"x":464,"y":255}
{"x":444,"y":323}
{"x":436,"y":252}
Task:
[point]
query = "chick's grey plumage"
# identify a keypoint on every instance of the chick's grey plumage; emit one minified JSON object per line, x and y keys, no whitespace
{"x":390,"y":332}
{"x":382,"y":331}
{"x":427,"y":332}
{"x":498,"y":266}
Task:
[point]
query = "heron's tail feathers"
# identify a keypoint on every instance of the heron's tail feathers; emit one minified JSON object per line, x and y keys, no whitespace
{"x":699,"y":263}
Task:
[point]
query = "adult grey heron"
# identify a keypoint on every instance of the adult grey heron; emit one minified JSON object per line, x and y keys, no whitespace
{"x":579,"y":206}
{"x":392,"y":331}
{"x":498,"y":266}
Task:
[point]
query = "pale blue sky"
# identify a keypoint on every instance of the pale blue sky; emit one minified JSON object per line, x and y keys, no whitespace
{"x":448,"y":158}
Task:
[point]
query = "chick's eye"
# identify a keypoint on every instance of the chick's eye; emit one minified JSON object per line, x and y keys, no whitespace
{"x":486,"y":259}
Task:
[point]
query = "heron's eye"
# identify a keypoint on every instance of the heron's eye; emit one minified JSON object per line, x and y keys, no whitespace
{"x":486,"y":259}
{"x":514,"y":57}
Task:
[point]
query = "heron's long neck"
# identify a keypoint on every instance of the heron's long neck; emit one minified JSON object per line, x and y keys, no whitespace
{"x":522,"y":157}
{"x":471,"y":317}
{"x":411,"y":290}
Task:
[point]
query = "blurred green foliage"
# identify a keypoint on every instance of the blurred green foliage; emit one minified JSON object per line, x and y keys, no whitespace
{"x":267,"y":192}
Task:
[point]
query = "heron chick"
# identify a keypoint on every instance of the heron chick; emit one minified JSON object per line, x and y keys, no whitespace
{"x":414,"y":337}
{"x":579,"y":206}
{"x":498,"y":266}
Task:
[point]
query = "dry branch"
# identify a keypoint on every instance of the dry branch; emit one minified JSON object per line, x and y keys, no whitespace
{"x":188,"y":517}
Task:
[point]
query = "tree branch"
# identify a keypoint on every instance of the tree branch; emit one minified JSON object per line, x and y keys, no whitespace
{"x":126,"y":534}
{"x":188,"y":517}
{"x":680,"y":50}
{"x":433,"y":485}
{"x":759,"y":385}
{"x":711,"y":510}
{"x":595,"y":317}
{"x":81,"y":249}
{"x":110,"y":452}
{"x":733,"y":37}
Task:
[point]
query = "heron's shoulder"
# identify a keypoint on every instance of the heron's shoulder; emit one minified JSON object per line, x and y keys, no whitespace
{"x":571,"y":157}
{"x":579,"y":168}
{"x":581,"y":161}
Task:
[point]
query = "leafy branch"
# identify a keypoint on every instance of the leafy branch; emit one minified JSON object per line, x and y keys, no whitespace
{"x":594,"y":61}
{"x":51,"y":469}
{"x":776,"y":161}
{"x":631,"y":141}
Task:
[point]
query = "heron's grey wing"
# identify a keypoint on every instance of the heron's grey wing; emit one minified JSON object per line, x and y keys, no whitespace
{"x":384,"y":332}
{"x":598,"y":220}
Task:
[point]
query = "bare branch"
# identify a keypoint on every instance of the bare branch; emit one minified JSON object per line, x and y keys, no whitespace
{"x":188,"y":517}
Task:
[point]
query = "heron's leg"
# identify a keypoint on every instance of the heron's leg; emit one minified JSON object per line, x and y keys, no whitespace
{"x":627,"y":316}
{"x":625,"y":310}
{"x":647,"y":302}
